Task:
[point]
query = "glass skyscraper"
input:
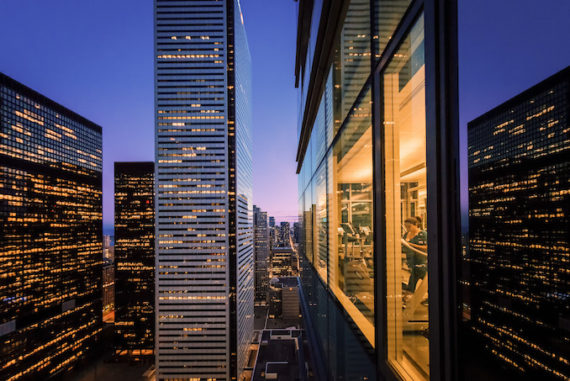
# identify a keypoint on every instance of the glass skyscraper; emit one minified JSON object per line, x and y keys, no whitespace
{"x":378,"y":186}
{"x":134,"y":259}
{"x":204,"y":219}
{"x":516,"y":273}
{"x":261,"y":250}
{"x":51,"y":241}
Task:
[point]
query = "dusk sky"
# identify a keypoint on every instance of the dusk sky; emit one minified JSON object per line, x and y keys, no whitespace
{"x":96,"y":58}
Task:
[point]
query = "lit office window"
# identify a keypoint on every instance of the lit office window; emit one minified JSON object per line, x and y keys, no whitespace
{"x":351,"y":268}
{"x":406,"y":195}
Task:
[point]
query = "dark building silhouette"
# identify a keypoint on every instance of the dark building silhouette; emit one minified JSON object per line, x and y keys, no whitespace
{"x":50,"y":234}
{"x":516,"y":273}
{"x":134,"y":259}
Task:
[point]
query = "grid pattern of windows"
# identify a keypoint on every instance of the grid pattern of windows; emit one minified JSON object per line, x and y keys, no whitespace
{"x":50,"y":234}
{"x":261,"y":248}
{"x":204,"y":265}
{"x":134,"y":259}
{"x":516,"y":271}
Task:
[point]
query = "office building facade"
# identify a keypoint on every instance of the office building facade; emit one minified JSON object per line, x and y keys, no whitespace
{"x":515,"y":276}
{"x":134,"y":260}
{"x":51,"y":234}
{"x":285,"y":234}
{"x":378,"y":186}
{"x":261,"y":250}
{"x":204,"y":219}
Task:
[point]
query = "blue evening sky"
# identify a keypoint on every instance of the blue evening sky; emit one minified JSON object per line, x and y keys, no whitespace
{"x":96,"y":58}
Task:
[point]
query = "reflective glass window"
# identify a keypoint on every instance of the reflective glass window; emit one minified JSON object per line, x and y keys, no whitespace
{"x":321,"y":223}
{"x":351,"y":67}
{"x":351,"y":269}
{"x":387,"y":16}
{"x":406,"y":195}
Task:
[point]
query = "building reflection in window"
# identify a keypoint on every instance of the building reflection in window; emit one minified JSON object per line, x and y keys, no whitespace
{"x":351,"y":268}
{"x":406,"y":193}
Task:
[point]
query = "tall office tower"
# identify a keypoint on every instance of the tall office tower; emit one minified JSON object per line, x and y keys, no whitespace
{"x":108,"y":287}
{"x":50,"y":234}
{"x":517,"y":277}
{"x":273,"y":236}
{"x":204,"y":230}
{"x":285,"y":234}
{"x":377,"y":153}
{"x":296,"y":232}
{"x":271,"y":222}
{"x":134,"y":259}
{"x":261,"y":249}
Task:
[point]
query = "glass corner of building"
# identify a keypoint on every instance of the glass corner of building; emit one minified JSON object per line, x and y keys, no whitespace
{"x":363,"y":196}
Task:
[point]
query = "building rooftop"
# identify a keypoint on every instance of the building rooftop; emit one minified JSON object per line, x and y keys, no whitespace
{"x":280,"y":356}
{"x":32,"y":94}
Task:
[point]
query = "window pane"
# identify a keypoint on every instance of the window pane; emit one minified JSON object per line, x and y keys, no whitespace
{"x":320,"y":232}
{"x":406,"y":238}
{"x":351,"y":268}
{"x":308,"y":225}
{"x":352,"y":59}
{"x":388,"y":14}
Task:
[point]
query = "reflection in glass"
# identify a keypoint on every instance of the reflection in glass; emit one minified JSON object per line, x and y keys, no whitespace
{"x":320,"y":233}
{"x":351,"y":66}
{"x":388,"y":14}
{"x":406,"y":237}
{"x":351,"y":268}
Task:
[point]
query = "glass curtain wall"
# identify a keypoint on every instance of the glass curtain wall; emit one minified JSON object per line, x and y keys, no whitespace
{"x":337,"y":192}
{"x":406,"y":194}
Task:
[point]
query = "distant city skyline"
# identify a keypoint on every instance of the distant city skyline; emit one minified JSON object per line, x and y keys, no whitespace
{"x":112,"y":85}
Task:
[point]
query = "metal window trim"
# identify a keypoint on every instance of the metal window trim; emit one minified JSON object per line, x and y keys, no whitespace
{"x":442,"y":140}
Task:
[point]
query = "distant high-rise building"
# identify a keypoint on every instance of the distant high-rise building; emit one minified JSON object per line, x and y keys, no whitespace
{"x":296,"y":232}
{"x":271,"y":222}
{"x":108,"y":248}
{"x":285,"y":234}
{"x":204,"y":218}
{"x":108,"y":287}
{"x":516,"y":279}
{"x":51,"y":234}
{"x":261,"y":250}
{"x":134,"y":259}
{"x":284,"y":262}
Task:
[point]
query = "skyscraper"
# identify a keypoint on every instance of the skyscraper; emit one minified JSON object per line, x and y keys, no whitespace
{"x":285,"y":234}
{"x":204,"y":227}
{"x":516,"y":278}
{"x":271,"y":221}
{"x":134,"y":259}
{"x":51,"y":234}
{"x":261,"y":249}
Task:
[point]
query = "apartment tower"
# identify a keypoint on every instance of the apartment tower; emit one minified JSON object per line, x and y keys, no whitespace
{"x":204,"y":217}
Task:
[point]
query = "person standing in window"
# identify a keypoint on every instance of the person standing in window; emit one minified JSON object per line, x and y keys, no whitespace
{"x":415,"y":249}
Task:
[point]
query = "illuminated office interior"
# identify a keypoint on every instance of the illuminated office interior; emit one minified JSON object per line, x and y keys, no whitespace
{"x":364,"y":165}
